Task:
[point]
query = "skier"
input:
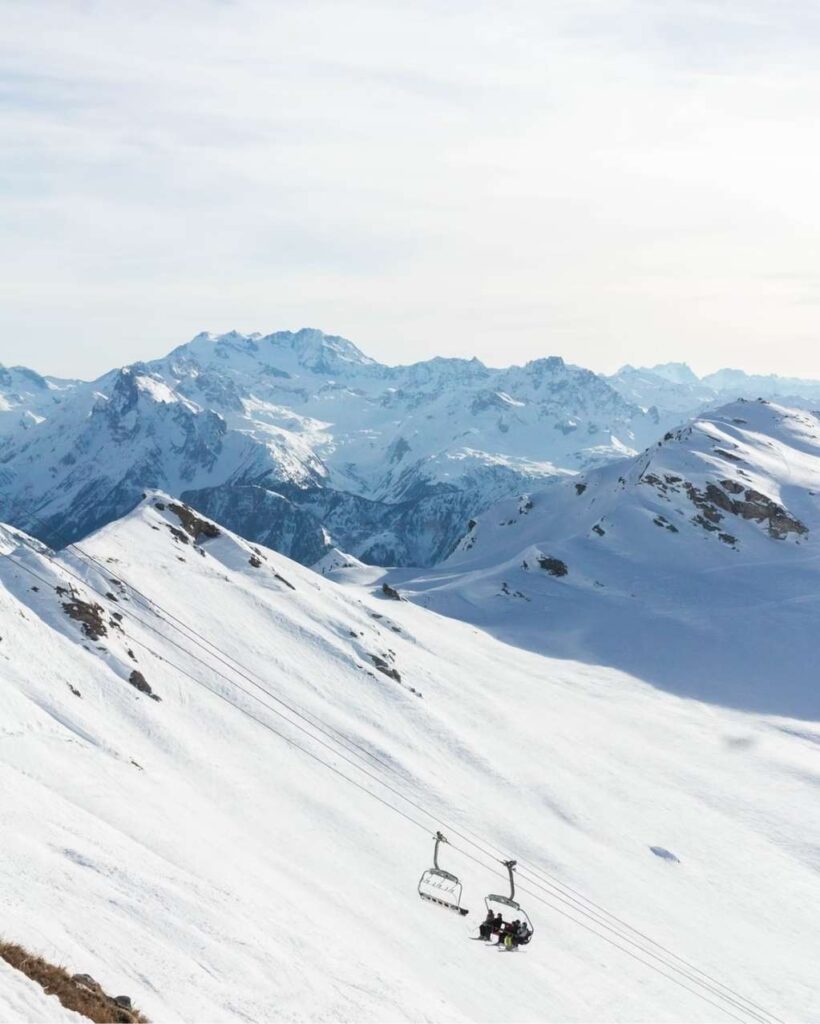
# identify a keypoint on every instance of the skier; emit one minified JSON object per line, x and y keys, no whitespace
{"x":485,"y":929}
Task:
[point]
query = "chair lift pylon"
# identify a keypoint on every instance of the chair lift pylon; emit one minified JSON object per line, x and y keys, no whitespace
{"x":510,"y":901}
{"x":439,"y":886}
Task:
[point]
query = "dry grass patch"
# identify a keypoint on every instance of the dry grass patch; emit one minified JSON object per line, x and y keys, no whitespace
{"x":82,"y":996}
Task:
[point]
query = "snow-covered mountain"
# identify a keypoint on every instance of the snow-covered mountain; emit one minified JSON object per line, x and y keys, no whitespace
{"x":26,"y":398}
{"x":675,"y":388}
{"x":300,"y":441}
{"x":694,"y":565}
{"x":169,"y":828}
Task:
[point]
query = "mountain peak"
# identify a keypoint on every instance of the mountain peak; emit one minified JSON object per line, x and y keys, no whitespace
{"x":308,"y":348}
{"x":318,"y":351}
{"x":677,"y":373}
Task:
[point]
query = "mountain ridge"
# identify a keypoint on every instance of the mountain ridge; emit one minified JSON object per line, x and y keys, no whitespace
{"x":704,"y":545}
{"x":386,"y":462}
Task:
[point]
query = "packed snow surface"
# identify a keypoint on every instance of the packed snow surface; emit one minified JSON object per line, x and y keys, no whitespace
{"x":180,"y":851}
{"x":22,"y":999}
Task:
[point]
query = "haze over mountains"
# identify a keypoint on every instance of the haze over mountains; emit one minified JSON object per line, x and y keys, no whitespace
{"x":302,"y":442}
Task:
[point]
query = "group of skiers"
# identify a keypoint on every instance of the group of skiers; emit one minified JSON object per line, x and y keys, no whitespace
{"x":510,"y":933}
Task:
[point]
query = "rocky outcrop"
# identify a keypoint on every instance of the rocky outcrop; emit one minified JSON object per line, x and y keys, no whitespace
{"x":733,"y":498}
{"x":554,"y":566}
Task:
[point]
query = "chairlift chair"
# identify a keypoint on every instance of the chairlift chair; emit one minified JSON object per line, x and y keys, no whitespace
{"x":511,"y":903}
{"x":440,"y":887}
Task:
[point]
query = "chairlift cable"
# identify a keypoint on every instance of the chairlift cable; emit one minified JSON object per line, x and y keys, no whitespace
{"x":364,"y":789}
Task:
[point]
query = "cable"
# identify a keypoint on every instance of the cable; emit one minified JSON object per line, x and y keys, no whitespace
{"x":554,"y":887}
{"x":156,"y":609}
{"x":401,"y":796}
{"x":568,"y":902}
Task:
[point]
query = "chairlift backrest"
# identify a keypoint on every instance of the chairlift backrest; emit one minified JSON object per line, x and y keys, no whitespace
{"x":510,"y":901}
{"x":435,"y":883}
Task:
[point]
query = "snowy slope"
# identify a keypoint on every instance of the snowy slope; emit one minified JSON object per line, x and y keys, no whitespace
{"x":694,"y":565}
{"x":24,"y":1000}
{"x":181,"y":852}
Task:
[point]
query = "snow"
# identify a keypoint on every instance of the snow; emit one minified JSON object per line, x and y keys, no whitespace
{"x":22,"y":999}
{"x":390,"y":461}
{"x":157,"y":389}
{"x":712,"y":608}
{"x":182,"y":853}
{"x":304,"y":411}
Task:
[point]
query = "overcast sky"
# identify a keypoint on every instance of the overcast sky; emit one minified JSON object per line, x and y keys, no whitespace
{"x":608,"y":180}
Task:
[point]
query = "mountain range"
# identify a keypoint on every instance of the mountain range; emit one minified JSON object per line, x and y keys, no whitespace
{"x":300,"y":441}
{"x":555,"y":620}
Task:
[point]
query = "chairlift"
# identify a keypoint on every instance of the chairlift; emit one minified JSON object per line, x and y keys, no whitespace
{"x":439,"y":886}
{"x":511,"y":904}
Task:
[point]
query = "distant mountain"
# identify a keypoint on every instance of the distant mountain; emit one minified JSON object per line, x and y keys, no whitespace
{"x":675,"y":388}
{"x":764,"y":386}
{"x":706,"y":542}
{"x":26,"y":398}
{"x":300,"y":441}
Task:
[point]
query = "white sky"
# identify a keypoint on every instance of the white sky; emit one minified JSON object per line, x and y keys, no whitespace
{"x":609,"y":180}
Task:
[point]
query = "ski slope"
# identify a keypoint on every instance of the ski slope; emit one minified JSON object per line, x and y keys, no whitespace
{"x":181,"y":851}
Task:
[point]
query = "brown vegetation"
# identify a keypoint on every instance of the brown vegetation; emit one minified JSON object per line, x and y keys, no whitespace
{"x":78,"y":992}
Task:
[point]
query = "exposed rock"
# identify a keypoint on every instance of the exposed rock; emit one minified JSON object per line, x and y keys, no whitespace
{"x":391,"y":592}
{"x":89,"y":615}
{"x":87,"y":982}
{"x":193,"y":524}
{"x":554,"y":566}
{"x":664,"y":522}
{"x":385,"y":667}
{"x":139,"y":682}
{"x":727,"y":455}
{"x":754,"y":505}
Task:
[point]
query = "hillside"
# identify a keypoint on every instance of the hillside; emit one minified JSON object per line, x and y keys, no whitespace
{"x":183,"y":852}
{"x":693,"y":566}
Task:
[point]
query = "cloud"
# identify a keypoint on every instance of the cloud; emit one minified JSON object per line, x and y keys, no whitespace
{"x":614,"y":181}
